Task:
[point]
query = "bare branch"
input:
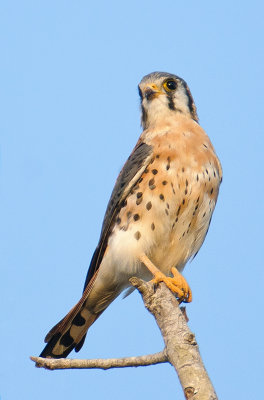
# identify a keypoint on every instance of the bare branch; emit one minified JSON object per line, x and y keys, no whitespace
{"x":101,"y":363}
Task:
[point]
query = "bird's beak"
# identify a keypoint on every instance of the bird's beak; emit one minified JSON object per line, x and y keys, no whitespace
{"x":151,"y":91}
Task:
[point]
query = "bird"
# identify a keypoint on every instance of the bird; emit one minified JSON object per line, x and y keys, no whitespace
{"x":159,"y":211}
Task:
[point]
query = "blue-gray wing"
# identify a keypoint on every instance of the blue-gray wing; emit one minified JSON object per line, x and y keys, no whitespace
{"x":127,"y":179}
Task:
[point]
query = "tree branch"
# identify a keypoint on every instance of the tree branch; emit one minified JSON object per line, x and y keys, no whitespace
{"x":181,"y":349}
{"x":101,"y":363}
{"x":180,"y":344}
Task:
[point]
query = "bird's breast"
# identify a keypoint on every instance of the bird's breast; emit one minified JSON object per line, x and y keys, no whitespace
{"x":167,"y":213}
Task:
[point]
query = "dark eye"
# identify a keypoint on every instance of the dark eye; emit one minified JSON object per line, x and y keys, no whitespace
{"x":170,"y":85}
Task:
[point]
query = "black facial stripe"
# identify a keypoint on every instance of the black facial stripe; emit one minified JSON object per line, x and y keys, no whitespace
{"x":190,"y":99}
{"x":144,"y":116}
{"x":170,"y":102}
{"x":140,"y":93}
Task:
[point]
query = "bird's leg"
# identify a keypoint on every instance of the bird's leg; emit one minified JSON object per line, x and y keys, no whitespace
{"x":177,"y":284}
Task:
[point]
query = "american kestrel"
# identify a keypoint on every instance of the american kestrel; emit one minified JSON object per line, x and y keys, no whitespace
{"x":159,"y":211}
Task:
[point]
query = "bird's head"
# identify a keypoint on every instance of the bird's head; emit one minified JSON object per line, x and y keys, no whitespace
{"x":163,"y":95}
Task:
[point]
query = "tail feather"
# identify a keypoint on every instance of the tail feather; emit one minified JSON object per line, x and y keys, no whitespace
{"x":70,"y":332}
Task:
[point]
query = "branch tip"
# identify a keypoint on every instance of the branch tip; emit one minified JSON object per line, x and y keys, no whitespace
{"x":139,"y":284}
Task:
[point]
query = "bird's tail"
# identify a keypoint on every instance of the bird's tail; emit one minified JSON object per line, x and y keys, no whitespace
{"x":70,"y":332}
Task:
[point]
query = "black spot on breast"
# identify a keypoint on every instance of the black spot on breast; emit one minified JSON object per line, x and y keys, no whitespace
{"x":139,"y":194}
{"x":148,"y":205}
{"x":183,"y":169}
{"x":161,"y":197}
{"x":153,"y":226}
{"x":175,"y":222}
{"x":154,"y":171}
{"x":167,"y":205}
{"x":178,"y":211}
{"x":183,"y":201}
{"x":139,"y":201}
{"x":164,"y":183}
{"x":136,"y":217}
{"x":212,"y":190}
{"x":137,"y":235}
{"x":118,"y":220}
{"x":166,"y":212}
{"x":197,"y":177}
{"x":151,"y":184}
{"x":129,"y":213}
{"x":168,"y":164}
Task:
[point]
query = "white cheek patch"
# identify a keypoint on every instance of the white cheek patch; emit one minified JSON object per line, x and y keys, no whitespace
{"x":181,"y":100}
{"x":157,"y":109}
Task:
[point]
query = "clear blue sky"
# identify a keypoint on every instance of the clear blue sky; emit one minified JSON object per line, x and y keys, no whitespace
{"x":69,"y":119}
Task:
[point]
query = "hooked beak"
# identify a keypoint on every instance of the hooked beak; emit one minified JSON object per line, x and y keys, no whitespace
{"x":150,"y":92}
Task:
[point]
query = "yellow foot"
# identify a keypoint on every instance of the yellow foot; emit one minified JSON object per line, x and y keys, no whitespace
{"x":177,"y":284}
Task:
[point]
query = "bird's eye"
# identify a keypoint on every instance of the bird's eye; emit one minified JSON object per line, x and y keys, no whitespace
{"x":170,"y":85}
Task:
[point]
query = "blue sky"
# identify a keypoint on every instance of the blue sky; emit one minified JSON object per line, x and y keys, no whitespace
{"x":69,"y":119}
